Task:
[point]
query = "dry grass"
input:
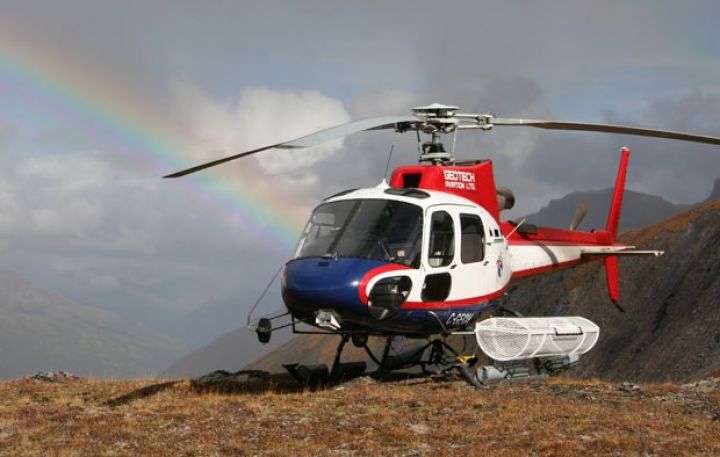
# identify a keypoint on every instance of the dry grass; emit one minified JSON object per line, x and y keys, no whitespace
{"x":406,"y":417}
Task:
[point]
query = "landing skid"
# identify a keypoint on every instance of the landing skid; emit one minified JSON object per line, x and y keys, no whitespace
{"x":537,"y":368}
{"x":436,"y":353}
{"x":434,"y":357}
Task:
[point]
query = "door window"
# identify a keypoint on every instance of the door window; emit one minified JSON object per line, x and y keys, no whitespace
{"x":472,"y":238}
{"x":442,"y":240}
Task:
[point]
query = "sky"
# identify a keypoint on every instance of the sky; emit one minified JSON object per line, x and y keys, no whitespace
{"x":99,"y":99}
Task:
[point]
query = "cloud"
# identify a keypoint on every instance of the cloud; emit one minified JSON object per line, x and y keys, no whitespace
{"x":385,"y":102}
{"x":114,"y":237}
{"x":259,"y":117}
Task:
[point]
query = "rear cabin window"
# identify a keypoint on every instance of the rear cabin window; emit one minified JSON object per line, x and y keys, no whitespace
{"x":472,"y":242}
{"x":442,"y":240}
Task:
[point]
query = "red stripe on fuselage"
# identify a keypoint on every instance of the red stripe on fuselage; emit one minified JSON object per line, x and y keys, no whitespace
{"x":362,"y":286}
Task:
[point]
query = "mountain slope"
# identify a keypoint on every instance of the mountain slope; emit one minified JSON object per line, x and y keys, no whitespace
{"x":231,"y":351}
{"x":671,"y":329}
{"x":41,"y":330}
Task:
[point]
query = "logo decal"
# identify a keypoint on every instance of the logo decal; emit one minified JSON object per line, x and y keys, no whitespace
{"x":499,"y":267}
{"x":463,"y":180}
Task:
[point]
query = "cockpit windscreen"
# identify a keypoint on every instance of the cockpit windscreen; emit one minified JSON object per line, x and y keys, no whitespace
{"x":386,"y":230}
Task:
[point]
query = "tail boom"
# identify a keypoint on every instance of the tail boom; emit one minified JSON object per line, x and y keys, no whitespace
{"x":539,"y":249}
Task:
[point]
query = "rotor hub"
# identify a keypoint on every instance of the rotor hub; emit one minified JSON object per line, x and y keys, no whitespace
{"x":436,"y":119}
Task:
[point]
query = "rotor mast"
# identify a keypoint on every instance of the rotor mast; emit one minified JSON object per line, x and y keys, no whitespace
{"x":436,"y":119}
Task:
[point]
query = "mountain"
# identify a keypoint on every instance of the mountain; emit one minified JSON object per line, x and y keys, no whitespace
{"x":715,"y":194}
{"x":231,"y":351}
{"x":671,"y":330}
{"x":639,"y":210}
{"x":200,"y":326}
{"x":41,"y":330}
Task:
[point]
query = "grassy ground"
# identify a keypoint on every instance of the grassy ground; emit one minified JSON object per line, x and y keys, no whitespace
{"x":403,"y":417}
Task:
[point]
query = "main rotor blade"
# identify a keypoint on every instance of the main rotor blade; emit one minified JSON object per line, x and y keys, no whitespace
{"x":316,"y":138}
{"x":609,"y":128}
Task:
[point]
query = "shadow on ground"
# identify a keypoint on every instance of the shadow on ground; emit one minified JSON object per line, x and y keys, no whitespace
{"x":254,"y":382}
{"x":143,"y":392}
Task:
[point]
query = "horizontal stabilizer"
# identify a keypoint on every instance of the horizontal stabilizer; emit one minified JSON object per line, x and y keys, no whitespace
{"x":624,"y":252}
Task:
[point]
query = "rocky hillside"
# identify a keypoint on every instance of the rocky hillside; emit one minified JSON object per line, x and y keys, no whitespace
{"x":42,"y":330}
{"x":671,"y":330}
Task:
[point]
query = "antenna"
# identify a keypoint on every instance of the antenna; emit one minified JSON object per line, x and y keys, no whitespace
{"x":262,"y":295}
{"x":516,"y":227}
{"x":387,"y":166}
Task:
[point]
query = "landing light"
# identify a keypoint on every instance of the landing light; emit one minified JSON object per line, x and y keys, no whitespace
{"x":388,"y":294}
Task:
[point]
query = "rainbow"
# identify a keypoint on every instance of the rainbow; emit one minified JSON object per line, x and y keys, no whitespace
{"x":53,"y":82}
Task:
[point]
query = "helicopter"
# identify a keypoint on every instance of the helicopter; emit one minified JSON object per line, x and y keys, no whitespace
{"x":427,"y":255}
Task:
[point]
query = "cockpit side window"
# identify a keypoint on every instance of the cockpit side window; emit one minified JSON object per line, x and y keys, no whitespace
{"x":472,"y":239}
{"x":442,"y":240}
{"x":322,"y":228}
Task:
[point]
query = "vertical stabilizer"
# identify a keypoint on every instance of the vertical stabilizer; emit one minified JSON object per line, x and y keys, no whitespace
{"x":616,"y":204}
{"x":611,"y":262}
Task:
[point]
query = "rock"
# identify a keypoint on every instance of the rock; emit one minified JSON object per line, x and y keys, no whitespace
{"x":704,"y":386}
{"x":629,"y":387}
{"x":420,"y":429}
{"x":362,"y":380}
{"x":239,"y":378}
{"x":53,"y":376}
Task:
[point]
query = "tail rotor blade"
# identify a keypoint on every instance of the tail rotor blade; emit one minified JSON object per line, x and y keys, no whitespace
{"x":579,"y":216}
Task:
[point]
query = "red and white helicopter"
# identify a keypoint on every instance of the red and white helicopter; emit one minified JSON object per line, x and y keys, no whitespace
{"x":428,"y":255}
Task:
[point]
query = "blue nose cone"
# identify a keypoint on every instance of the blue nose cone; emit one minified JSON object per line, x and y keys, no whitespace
{"x":324,"y":283}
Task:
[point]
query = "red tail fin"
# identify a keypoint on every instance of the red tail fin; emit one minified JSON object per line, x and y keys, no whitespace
{"x":613,"y":280}
{"x":611,"y":262}
{"x":616,"y":205}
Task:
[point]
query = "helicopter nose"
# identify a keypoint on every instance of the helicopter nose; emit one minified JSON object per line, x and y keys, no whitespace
{"x":316,"y":283}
